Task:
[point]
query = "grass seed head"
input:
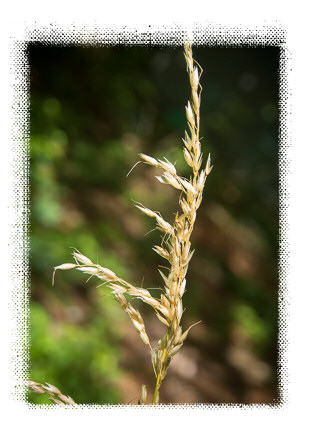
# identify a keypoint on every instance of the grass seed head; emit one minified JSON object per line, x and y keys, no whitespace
{"x":149,"y":160}
{"x":88,"y":269}
{"x":175,"y":247}
{"x":190,"y":115}
{"x":65,"y":266}
{"x":195,"y":79}
{"x":148,"y":212}
{"x":81,"y":258}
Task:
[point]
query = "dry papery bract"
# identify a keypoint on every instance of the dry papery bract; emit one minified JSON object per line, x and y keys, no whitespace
{"x":175,"y":247}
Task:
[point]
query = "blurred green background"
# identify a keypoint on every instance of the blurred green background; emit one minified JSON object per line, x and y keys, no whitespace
{"x":93,"y":109}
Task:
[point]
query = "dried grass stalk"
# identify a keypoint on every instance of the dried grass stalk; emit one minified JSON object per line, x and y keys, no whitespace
{"x":175,"y":248}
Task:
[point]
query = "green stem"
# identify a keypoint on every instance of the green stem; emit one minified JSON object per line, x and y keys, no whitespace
{"x":158,"y":379}
{"x":156,"y":392}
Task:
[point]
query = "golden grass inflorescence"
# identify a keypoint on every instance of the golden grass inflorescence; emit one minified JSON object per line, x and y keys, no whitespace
{"x":175,"y":245}
{"x":56,"y":395}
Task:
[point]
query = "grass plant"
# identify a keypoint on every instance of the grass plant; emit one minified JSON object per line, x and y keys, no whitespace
{"x":175,"y":248}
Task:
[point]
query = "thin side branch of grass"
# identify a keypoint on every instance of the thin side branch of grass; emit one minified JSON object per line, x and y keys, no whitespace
{"x":56,"y":395}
